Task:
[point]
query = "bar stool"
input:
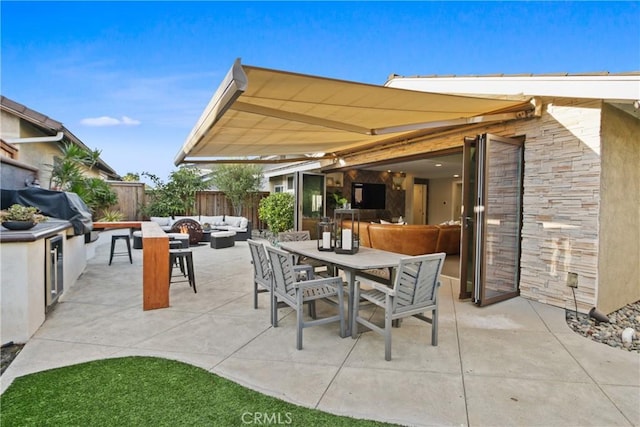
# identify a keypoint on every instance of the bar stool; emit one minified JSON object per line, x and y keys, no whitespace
{"x":183,"y":257}
{"x":179,"y":261}
{"x":113,"y":245}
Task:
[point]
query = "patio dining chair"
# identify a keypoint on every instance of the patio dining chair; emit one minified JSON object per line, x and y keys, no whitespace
{"x":300,"y":236}
{"x":262,"y":277}
{"x":414,"y":292}
{"x":296,"y":293}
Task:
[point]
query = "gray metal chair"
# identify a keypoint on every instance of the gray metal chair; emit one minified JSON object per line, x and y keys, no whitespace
{"x":295,"y":294}
{"x":262,"y":276}
{"x":415,"y":291}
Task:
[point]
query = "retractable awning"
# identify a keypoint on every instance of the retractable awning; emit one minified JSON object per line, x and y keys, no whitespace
{"x":257,"y":112}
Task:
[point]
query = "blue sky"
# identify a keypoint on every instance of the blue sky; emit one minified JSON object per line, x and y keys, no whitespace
{"x":132,"y":78}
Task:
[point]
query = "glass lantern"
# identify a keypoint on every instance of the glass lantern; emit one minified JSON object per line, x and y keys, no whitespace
{"x":347,"y":234}
{"x":325,"y":234}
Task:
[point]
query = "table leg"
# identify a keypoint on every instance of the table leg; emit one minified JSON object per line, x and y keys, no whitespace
{"x":351,"y":318}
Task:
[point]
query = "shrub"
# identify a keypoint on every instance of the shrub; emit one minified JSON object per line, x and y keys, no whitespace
{"x":111,"y":216}
{"x":277,"y":211}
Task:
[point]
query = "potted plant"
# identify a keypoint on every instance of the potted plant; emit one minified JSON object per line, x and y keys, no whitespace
{"x":341,"y":202}
{"x":19,"y":217}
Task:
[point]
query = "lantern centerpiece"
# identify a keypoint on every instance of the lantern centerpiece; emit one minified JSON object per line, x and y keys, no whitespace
{"x":347,"y":235}
{"x":326,"y":230}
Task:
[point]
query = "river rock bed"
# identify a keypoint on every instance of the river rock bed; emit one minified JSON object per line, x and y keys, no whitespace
{"x":609,"y":333}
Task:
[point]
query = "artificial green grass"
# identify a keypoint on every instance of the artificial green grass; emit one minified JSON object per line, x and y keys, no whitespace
{"x":148,"y":391}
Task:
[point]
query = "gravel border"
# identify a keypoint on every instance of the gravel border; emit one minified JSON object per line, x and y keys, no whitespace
{"x":609,"y":333}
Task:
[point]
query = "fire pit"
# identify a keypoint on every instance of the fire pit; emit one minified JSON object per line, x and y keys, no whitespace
{"x":190,"y":227}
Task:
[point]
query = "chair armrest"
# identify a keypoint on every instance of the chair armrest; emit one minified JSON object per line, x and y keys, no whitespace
{"x":319,"y":282}
{"x":384,"y":289}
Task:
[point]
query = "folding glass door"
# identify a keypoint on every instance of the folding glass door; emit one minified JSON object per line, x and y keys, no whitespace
{"x":310,"y":201}
{"x":492,"y":218}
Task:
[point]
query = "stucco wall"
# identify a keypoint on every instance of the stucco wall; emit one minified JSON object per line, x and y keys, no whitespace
{"x":9,"y":125}
{"x":619,"y":271}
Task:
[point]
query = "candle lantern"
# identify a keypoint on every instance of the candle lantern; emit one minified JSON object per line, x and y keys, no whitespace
{"x":325,"y":234}
{"x":347,"y":236}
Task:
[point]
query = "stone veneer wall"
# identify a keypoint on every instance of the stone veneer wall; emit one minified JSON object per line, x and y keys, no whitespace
{"x":561,"y":203}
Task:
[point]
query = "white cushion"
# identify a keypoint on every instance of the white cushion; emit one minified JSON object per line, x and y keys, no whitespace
{"x":233,"y":221}
{"x":195,"y":218}
{"x":244,"y":222}
{"x":223,"y":234}
{"x":161,"y":220}
{"x":211,"y":220}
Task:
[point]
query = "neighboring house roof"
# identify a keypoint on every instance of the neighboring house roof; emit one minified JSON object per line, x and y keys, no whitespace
{"x":59,"y":132}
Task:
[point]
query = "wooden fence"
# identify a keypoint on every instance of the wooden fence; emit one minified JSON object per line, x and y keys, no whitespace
{"x":216,"y":203}
{"x":131,"y":196}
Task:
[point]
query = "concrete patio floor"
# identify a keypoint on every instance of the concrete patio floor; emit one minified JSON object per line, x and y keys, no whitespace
{"x":515,"y":363}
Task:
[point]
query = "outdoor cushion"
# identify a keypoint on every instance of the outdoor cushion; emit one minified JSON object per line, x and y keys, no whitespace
{"x":212,"y":220}
{"x":161,"y":220}
{"x":243,"y":223}
{"x":233,"y":221}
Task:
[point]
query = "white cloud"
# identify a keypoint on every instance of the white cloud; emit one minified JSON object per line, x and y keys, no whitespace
{"x":129,"y":121}
{"x":109,"y":121}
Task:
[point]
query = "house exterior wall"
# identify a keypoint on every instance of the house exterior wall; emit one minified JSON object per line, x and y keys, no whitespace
{"x":561,"y":201}
{"x":618,"y":266}
{"x":10,"y":125}
{"x":39,"y":155}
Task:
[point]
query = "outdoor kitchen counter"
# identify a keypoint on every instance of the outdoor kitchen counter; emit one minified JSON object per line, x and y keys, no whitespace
{"x":43,"y":230}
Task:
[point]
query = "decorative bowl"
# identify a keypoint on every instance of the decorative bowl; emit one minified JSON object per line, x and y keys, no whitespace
{"x":18,"y":225}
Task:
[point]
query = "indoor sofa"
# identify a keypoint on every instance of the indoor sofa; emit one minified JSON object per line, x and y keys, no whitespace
{"x":410,"y":240}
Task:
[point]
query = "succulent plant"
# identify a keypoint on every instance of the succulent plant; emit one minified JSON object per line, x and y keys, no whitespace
{"x":22,"y":213}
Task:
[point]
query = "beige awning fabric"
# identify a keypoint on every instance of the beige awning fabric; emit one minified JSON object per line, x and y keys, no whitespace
{"x":261,"y":112}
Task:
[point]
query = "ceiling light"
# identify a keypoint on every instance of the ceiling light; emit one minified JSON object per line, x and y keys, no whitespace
{"x":438,"y":165}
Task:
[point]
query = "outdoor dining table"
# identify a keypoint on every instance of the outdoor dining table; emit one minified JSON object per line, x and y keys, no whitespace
{"x":351,"y":264}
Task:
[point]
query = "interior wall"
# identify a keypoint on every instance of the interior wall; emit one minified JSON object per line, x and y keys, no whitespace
{"x":394,"y":199}
{"x":619,"y":273}
{"x":440,"y":201}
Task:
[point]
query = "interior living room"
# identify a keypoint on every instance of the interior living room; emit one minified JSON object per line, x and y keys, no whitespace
{"x":424,"y":194}
{"x":414,"y":192}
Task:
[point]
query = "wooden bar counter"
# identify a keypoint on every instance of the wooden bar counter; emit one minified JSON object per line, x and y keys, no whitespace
{"x":155,"y":261}
{"x":155,"y":267}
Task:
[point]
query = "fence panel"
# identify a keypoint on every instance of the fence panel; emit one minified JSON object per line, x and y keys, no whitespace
{"x":131,"y":196}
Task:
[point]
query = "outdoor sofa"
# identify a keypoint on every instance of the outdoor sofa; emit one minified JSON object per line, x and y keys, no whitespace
{"x":239,"y":224}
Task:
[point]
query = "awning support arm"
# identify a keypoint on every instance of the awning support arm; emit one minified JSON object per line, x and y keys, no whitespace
{"x":297,"y":117}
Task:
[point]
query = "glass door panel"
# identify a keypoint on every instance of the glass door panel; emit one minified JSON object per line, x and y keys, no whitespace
{"x":469,"y":191}
{"x":490,"y":262}
{"x":310,"y":201}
